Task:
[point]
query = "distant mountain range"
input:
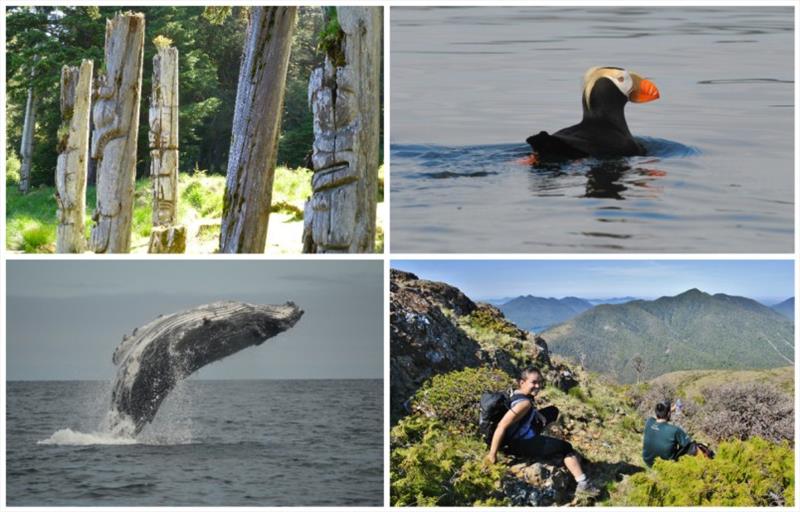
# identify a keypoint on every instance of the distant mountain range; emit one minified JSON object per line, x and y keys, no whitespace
{"x":693,"y":330}
{"x":612,"y":300}
{"x":786,"y":308}
{"x":538,"y":313}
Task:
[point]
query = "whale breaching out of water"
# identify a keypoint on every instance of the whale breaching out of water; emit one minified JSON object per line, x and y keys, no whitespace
{"x":158,"y":355}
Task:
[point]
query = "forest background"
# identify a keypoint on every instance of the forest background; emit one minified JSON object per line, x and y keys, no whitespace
{"x":210,"y":40}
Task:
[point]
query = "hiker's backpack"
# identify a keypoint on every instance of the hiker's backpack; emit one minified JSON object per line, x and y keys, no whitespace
{"x":494,"y":405}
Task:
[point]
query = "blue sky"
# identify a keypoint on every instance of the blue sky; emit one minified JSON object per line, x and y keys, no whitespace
{"x":66,"y":317}
{"x":768,"y":281}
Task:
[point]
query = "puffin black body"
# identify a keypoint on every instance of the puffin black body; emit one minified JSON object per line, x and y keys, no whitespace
{"x":603,"y":131}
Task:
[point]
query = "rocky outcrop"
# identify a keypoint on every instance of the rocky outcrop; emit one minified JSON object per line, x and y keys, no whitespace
{"x":430,"y":326}
{"x":538,"y":484}
{"x":424,"y":341}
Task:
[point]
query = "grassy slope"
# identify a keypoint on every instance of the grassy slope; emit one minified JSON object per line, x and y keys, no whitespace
{"x":691,"y":383}
{"x":600,"y":422}
{"x":31,"y":219}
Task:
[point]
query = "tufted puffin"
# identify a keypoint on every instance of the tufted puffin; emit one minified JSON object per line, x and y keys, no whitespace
{"x":603,"y":131}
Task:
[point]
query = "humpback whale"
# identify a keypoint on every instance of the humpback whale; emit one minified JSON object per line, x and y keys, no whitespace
{"x":155,"y":357}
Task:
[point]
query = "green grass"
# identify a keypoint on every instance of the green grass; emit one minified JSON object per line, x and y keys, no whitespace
{"x":31,"y":219}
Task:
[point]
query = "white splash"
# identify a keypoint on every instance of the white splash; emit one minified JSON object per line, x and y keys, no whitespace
{"x":115,"y":429}
{"x":69,"y":437}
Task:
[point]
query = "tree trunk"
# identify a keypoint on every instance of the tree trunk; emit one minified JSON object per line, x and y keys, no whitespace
{"x":73,"y":148}
{"x":345,"y":100}
{"x":256,"y":127}
{"x":116,"y":119}
{"x":28,"y":131}
{"x":164,"y":152}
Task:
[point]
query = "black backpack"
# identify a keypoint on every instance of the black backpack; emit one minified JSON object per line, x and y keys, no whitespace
{"x":494,"y":405}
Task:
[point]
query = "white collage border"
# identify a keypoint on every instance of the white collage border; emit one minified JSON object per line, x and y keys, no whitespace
{"x":387,"y":256}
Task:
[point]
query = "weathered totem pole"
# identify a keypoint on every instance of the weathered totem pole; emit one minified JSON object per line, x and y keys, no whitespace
{"x":166,"y":236}
{"x":116,"y":123}
{"x":28,"y":129}
{"x":256,"y":127}
{"x":344,"y":96}
{"x":73,"y":157}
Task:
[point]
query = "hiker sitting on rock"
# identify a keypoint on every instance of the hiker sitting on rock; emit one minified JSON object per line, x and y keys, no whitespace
{"x":518,"y":432}
{"x":663,"y":439}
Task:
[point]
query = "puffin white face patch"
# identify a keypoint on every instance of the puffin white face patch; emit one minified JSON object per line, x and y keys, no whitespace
{"x":620,"y":77}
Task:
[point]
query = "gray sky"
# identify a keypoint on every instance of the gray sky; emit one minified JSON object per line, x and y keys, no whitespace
{"x":65,"y":318}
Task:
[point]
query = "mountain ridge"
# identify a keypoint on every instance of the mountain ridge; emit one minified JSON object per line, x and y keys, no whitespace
{"x":534,"y":313}
{"x":691,"y":330}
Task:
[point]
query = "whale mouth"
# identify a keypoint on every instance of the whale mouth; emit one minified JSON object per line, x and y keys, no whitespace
{"x":154,"y":358}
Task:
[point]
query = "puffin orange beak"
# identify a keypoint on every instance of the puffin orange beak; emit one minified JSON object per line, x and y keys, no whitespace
{"x":646,"y":91}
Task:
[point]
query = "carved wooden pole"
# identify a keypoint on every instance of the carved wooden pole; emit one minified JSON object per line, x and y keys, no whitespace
{"x":73,"y":148}
{"x":256,"y":127}
{"x":28,"y":129}
{"x":345,"y":100}
{"x":164,"y":153}
{"x":116,"y":119}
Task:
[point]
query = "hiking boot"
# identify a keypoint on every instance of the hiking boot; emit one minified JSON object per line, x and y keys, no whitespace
{"x":586,"y":489}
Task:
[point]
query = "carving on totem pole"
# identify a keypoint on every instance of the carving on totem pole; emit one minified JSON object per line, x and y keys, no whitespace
{"x":116,"y":123}
{"x":345,"y":100}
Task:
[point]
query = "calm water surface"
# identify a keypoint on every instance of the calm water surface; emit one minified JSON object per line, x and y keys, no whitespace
{"x":213,"y":443}
{"x":469,"y":85}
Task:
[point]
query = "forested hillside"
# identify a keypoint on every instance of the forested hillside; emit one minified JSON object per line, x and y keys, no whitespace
{"x":693,"y":330}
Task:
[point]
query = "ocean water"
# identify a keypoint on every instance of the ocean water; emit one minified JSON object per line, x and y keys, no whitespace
{"x":469,"y":85}
{"x":213,"y":443}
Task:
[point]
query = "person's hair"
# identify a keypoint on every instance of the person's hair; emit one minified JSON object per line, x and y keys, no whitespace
{"x":663,"y":409}
{"x":524,"y":374}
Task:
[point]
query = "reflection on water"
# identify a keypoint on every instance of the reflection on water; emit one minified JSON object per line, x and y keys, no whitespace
{"x":607,"y":179}
{"x":469,"y":82}
{"x":610,"y":178}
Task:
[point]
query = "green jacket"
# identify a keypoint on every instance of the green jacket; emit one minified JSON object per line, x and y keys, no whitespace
{"x":662,"y":440}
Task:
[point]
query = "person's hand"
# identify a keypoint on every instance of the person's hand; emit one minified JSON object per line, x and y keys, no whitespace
{"x":491,"y":458}
{"x":541,"y":419}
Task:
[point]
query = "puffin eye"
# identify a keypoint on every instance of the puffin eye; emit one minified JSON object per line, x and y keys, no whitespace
{"x":620,"y":79}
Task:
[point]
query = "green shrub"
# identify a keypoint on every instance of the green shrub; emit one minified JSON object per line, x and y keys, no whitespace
{"x":488,"y":319}
{"x":30,"y":219}
{"x":577,"y":393}
{"x":381,"y":183}
{"x":432,"y":465}
{"x":291,"y":185}
{"x":330,"y":38}
{"x":378,"y":240}
{"x":203,"y":193}
{"x":39,"y":238}
{"x":12,"y":168}
{"x":455,"y":397}
{"x":631,"y":423}
{"x":744,"y":473}
{"x":142,"y":221}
